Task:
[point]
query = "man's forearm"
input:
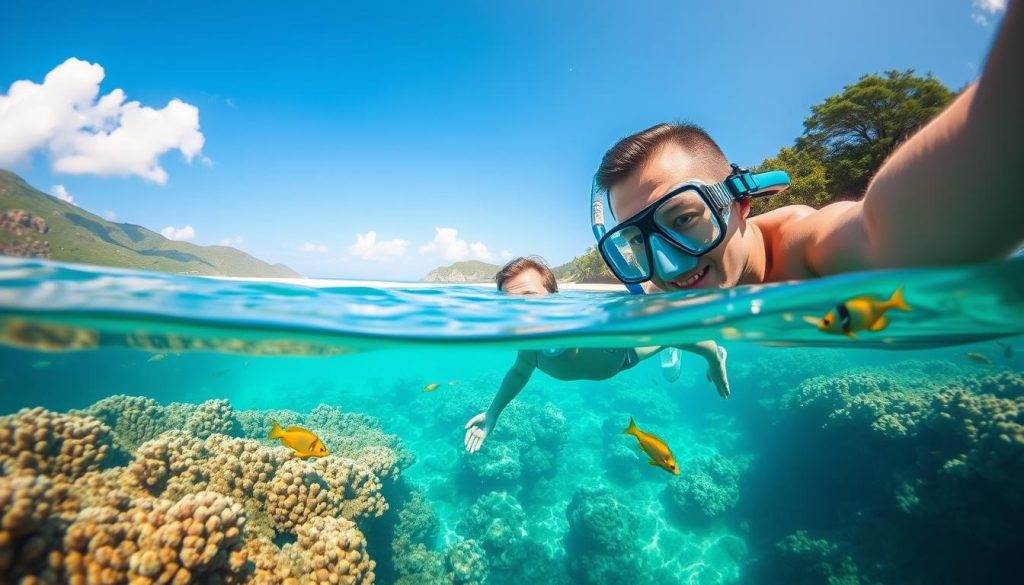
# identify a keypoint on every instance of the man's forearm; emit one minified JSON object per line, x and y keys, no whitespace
{"x":514,"y":382}
{"x":951,"y":193}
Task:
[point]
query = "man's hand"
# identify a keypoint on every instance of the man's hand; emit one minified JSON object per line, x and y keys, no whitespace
{"x":717,"y":373}
{"x":477,"y":430}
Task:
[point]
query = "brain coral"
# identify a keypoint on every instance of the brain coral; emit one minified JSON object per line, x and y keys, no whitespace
{"x":601,"y":546}
{"x":705,"y":487}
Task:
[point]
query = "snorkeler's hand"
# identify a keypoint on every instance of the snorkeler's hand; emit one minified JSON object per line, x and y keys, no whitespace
{"x":717,"y":374}
{"x":477,"y":430}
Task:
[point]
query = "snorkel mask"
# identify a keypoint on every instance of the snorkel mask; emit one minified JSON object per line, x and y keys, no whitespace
{"x":671,"y":234}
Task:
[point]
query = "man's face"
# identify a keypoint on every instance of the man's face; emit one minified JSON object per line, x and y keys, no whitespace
{"x":669,"y":166}
{"x":527,"y":282}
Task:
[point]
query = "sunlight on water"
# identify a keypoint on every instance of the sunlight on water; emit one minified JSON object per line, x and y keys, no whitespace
{"x":835,"y":458}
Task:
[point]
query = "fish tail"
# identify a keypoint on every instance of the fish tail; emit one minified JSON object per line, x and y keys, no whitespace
{"x":631,"y":429}
{"x":897,"y":301}
{"x":276,"y":432}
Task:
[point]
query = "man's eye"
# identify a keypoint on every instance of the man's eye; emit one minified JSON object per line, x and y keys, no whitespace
{"x":682,"y":221}
{"x":636,"y":241}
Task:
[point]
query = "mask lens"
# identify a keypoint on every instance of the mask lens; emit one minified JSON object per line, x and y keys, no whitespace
{"x":687,"y":219}
{"x":626,"y":254}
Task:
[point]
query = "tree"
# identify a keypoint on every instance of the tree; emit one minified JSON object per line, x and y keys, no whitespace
{"x":857,"y":129}
{"x":808,"y":183}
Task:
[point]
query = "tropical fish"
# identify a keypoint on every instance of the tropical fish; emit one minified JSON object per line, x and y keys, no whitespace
{"x":977,"y":357}
{"x":431,"y":387}
{"x":860,"y":314}
{"x":1007,"y":349}
{"x":157,"y":357}
{"x":303,"y":442}
{"x":661,"y":456}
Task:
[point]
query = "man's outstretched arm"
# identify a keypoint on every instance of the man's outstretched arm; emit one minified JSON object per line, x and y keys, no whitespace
{"x":954,"y":192}
{"x":481,"y":425}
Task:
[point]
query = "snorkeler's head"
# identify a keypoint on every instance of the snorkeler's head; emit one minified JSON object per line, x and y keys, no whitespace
{"x":526,"y":276}
{"x":641,"y":168}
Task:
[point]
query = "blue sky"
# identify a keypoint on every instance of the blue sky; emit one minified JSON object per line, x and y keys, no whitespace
{"x":450,"y":130}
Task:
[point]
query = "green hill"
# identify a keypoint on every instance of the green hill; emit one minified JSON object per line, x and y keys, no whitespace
{"x":463,"y":272}
{"x":33,"y":223}
{"x":586,"y":268}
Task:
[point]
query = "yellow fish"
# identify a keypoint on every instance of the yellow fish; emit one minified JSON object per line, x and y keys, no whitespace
{"x":980,"y":358}
{"x":860,"y":314}
{"x":304,"y":443}
{"x":431,"y":387}
{"x":157,"y":357}
{"x":661,"y":456}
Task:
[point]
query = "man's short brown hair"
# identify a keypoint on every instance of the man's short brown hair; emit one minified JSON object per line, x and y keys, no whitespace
{"x":632,"y":152}
{"x":520,"y":265}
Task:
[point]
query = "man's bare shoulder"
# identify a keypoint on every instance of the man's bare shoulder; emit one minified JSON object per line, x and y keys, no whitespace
{"x":791,"y":234}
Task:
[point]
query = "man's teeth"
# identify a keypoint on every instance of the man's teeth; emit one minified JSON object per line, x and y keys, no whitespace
{"x":693,"y":278}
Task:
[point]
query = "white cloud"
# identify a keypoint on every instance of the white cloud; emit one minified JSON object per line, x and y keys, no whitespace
{"x":235,"y":241}
{"x":368,"y":247}
{"x":85,"y":133}
{"x":984,"y":9}
{"x":310,"y":247}
{"x":61,"y":193}
{"x":180,"y":234}
{"x":110,"y":215}
{"x":506,"y":255}
{"x":447,"y":245}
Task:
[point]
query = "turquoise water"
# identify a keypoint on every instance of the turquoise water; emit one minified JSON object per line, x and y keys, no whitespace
{"x":891,"y":458}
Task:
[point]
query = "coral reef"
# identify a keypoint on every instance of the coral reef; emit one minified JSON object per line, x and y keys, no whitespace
{"x":801,"y":559}
{"x":706,"y":487}
{"x":525,"y":445}
{"x":601,"y":546}
{"x":192,"y":505}
{"x":497,"y":523}
{"x":52,"y":444}
{"x":466,"y":564}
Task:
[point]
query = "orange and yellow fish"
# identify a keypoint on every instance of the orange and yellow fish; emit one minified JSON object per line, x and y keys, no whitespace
{"x":431,"y":387}
{"x":303,"y":442}
{"x":863,"y":313}
{"x":661,"y":456}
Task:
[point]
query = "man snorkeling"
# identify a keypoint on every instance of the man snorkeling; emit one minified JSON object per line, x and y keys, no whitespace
{"x":526,"y":276}
{"x":677,"y":211}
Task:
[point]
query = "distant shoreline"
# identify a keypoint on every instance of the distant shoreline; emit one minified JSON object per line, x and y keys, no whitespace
{"x":338,"y":282}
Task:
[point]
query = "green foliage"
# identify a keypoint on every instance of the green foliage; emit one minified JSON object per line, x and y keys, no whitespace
{"x":809,"y":184}
{"x":858,"y":128}
{"x":588,"y":267}
{"x":848,"y":136}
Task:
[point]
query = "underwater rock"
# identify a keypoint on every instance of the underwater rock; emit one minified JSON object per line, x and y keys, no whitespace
{"x":706,"y":487}
{"x":601,"y":546}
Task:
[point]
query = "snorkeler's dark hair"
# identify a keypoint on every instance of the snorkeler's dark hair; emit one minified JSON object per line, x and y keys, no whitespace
{"x":633,"y":151}
{"x":521,"y":265}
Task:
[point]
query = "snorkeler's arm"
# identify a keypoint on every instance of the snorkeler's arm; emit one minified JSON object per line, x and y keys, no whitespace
{"x":516,"y":378}
{"x":481,"y":425}
{"x":951,"y":193}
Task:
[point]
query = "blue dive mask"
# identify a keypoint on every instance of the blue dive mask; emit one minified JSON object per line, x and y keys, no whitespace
{"x":671,"y":234}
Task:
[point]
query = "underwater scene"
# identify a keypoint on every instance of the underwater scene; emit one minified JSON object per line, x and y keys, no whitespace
{"x":136,"y":410}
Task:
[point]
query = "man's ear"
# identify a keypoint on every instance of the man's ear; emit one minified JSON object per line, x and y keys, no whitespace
{"x":744,"y":208}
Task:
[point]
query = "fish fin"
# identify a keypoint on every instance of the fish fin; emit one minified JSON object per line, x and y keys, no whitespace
{"x":879,"y":324}
{"x":631,"y":429}
{"x":897,"y":301}
{"x":851,"y":335}
{"x":276,"y":432}
{"x":652,"y":462}
{"x":812,"y":320}
{"x":296,"y":430}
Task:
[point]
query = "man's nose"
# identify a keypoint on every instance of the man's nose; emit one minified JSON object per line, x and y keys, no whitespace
{"x":670,"y":261}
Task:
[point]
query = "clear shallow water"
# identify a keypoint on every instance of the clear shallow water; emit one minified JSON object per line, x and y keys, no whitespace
{"x":834,"y":458}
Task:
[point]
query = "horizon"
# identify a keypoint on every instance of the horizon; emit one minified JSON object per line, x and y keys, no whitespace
{"x":347,"y":143}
